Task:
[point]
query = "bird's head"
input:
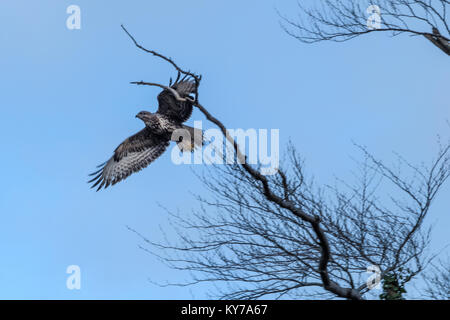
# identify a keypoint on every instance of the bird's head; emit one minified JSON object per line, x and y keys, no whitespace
{"x":144,"y":115}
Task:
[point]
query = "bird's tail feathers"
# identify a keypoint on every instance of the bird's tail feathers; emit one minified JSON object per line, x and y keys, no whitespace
{"x":188,"y":138}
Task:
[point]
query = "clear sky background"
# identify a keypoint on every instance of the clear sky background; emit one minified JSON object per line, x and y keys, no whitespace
{"x":66,"y":103}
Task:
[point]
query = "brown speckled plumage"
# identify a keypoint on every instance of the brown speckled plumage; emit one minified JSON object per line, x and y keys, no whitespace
{"x":142,"y":148}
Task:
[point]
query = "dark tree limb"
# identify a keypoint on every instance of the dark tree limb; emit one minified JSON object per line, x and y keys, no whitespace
{"x":439,"y":41}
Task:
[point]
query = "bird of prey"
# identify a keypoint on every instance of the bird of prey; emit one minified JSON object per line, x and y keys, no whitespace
{"x":142,"y":148}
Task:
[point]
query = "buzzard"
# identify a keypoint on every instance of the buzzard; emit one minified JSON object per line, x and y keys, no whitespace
{"x":142,"y":148}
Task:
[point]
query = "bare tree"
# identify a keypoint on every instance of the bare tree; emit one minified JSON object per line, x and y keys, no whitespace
{"x":438,"y":281}
{"x":282,"y":234}
{"x":259,"y":248}
{"x":342,"y":20}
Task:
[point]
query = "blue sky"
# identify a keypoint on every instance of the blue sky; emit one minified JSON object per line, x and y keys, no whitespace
{"x":66,"y":103}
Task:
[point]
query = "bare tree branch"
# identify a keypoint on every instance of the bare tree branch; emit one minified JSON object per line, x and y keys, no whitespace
{"x":438,"y":281}
{"x":342,"y":20}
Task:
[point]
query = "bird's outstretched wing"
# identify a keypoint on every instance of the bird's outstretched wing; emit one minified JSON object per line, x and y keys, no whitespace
{"x":168,"y":104}
{"x":132,"y":155}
